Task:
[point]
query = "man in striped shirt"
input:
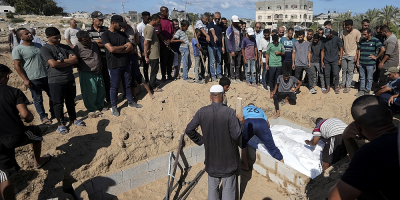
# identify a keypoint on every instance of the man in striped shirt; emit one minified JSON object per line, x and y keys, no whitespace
{"x":330,"y":132}
{"x":366,"y":51}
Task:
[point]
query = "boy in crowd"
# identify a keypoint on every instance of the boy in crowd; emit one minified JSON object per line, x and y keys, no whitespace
{"x":262,"y":49}
{"x":90,"y":76}
{"x":30,"y":66}
{"x":13,"y":133}
{"x":249,"y":52}
{"x":288,"y":43}
{"x":273,"y":60}
{"x":226,"y":84}
{"x":197,"y":56}
{"x":330,"y":132}
{"x":181,"y":36}
{"x":118,"y":61}
{"x":59,"y":59}
{"x":315,"y":62}
{"x":256,"y":123}
{"x":286,"y":90}
{"x":178,"y":55}
{"x":302,"y":60}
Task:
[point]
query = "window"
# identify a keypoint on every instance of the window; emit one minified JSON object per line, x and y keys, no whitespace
{"x":269,"y":17}
{"x":286,"y":16}
{"x":310,"y":8}
{"x":279,"y":7}
{"x":305,"y":16}
{"x":269,"y":7}
{"x":294,"y":16}
{"x":259,"y":8}
{"x":6,"y":11}
{"x":269,"y":23}
{"x":305,"y":7}
{"x":276,"y":16}
{"x":259,"y":17}
{"x":309,"y":17}
{"x":287,"y":6}
{"x":300,"y":16}
{"x":281,"y":16}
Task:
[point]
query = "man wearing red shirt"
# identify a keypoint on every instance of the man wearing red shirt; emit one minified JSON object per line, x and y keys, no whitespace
{"x":165,"y":31}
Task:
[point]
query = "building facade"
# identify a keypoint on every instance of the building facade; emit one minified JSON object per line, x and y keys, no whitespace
{"x":273,"y":11}
{"x":6,"y":9}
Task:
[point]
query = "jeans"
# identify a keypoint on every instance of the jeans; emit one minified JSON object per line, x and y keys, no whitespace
{"x":347,"y":70}
{"x":197,"y":66}
{"x":265,"y":75}
{"x":251,"y":71}
{"x":316,"y":67}
{"x":235,"y":64}
{"x":228,"y":188}
{"x":154,"y":64}
{"x":279,"y":96}
{"x":106,"y":78}
{"x":116,"y":75}
{"x":366,"y":71}
{"x":186,"y":62}
{"x":37,"y":86}
{"x":215,"y":60}
{"x":60,"y":93}
{"x":274,"y":72}
{"x":310,"y":74}
{"x":167,"y":60}
{"x":93,"y":92}
{"x":331,"y":66}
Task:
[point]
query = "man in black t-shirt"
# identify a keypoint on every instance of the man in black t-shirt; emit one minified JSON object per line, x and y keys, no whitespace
{"x":374,"y":170}
{"x":13,"y":133}
{"x":216,"y":46}
{"x":117,"y":48}
{"x":59,"y":59}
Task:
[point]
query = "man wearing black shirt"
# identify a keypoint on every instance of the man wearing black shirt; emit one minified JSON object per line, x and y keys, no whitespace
{"x":13,"y":133}
{"x":59,"y":59}
{"x":118,"y":46}
{"x":221,"y":128}
{"x":225,"y":64}
{"x":374,"y":170}
{"x":216,"y":46}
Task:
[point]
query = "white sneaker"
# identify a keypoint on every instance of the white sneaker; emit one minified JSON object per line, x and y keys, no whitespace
{"x":312,"y":91}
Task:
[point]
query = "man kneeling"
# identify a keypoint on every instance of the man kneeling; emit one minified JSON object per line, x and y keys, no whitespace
{"x":285,"y":86}
{"x":257,"y":124}
{"x":13,"y":133}
{"x":330,"y":132}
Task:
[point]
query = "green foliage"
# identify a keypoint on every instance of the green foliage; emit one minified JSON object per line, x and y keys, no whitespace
{"x":10,"y":15}
{"x":314,"y":26}
{"x":194,"y":17}
{"x":17,"y":20}
{"x":395,"y":30}
{"x":37,"y":7}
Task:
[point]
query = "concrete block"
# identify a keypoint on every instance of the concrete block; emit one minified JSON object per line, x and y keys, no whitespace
{"x":252,"y":153}
{"x":306,"y":129}
{"x":268,"y":161}
{"x":276,"y":179}
{"x":196,"y":150}
{"x":161,"y":173}
{"x":142,"y":180}
{"x":88,"y":186}
{"x":259,"y":169}
{"x":96,"y":196}
{"x":273,"y":122}
{"x":116,"y":177}
{"x":287,"y":172}
{"x":117,"y":190}
{"x":288,"y":123}
{"x":291,"y":188}
{"x":200,"y":158}
{"x":135,"y":171}
{"x":155,"y":163}
{"x":187,"y":152}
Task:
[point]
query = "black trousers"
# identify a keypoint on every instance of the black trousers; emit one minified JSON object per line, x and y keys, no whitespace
{"x":287,"y":67}
{"x":226,"y":65}
{"x":167,"y":60}
{"x":145,"y":69}
{"x":383,"y":79}
{"x":154,"y":64}
{"x":106,"y":78}
{"x":64,"y":92}
{"x":282,"y":95}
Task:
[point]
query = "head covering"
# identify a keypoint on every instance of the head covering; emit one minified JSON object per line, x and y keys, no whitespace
{"x":216,"y":89}
{"x":119,"y":19}
{"x":327,"y":31}
{"x":11,"y":28}
{"x":250,"y":31}
{"x":235,"y":18}
{"x":97,"y":14}
{"x":392,"y":70}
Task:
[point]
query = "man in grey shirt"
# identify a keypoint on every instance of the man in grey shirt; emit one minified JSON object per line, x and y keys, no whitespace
{"x":302,"y":60}
{"x":391,"y":57}
{"x":316,"y":60}
{"x":70,"y":33}
{"x":331,"y":58}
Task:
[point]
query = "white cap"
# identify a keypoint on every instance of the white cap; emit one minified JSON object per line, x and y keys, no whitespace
{"x":250,"y":31}
{"x":216,"y":89}
{"x":235,"y":18}
{"x":11,"y":28}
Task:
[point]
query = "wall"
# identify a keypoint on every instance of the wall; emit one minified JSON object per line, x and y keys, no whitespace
{"x":6,"y":8}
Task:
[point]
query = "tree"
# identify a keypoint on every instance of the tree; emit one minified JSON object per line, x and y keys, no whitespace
{"x":194,"y":17}
{"x":37,"y":7}
{"x":374,"y":16}
{"x":389,"y":14}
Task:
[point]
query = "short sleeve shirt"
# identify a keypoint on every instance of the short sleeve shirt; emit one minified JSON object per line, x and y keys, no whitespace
{"x":331,"y":47}
{"x":96,"y":35}
{"x":350,"y":41}
{"x":367,"y":48}
{"x":392,"y":49}
{"x":236,"y":32}
{"x":151,"y":36}
{"x":201,"y":25}
{"x":31,"y":59}
{"x":329,"y":127}
{"x":288,"y":44}
{"x":218,"y":33}
{"x":196,"y":51}
{"x":249,"y":46}
{"x":70,"y":34}
{"x":302,"y":49}
{"x":11,"y":120}
{"x":274,"y":60}
{"x":286,"y":86}
{"x":316,"y":52}
{"x":395,"y":85}
{"x":181,"y":35}
{"x":263,"y":47}
{"x":119,"y":38}
{"x":252,"y":112}
{"x":57,"y":75}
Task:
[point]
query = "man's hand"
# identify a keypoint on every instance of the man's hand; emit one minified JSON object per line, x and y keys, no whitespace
{"x":167,"y":42}
{"x":307,"y":141}
{"x":183,"y":42}
{"x":233,"y":54}
{"x":372,"y":56}
{"x":208,"y":38}
{"x":266,"y":67}
{"x":293,"y":89}
{"x":215,"y":39}
{"x":271,"y":95}
{"x":223,"y":50}
{"x":309,"y":65}
{"x":358,"y":64}
{"x":323,"y":65}
{"x":293,"y":66}
{"x":277,"y":53}
{"x":339,"y":62}
{"x":355,"y":59}
{"x":27,"y":83}
{"x":245,"y":61}
{"x":72,"y":46}
{"x":380,"y":65}
{"x":241,"y":118}
{"x":147,"y":60}
{"x":390,"y":101}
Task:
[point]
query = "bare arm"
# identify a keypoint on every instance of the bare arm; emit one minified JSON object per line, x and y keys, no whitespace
{"x":20,"y":70}
{"x":384,"y":89}
{"x":119,"y":49}
{"x":147,"y":50}
{"x":69,"y":43}
{"x":67,"y":62}
{"x":298,"y":86}
{"x":255,"y":52}
{"x":175,"y":40}
{"x":322,"y":57}
{"x":309,"y":59}
{"x":204,"y":33}
{"x":244,"y":56}
{"x":381,"y":52}
{"x":313,"y":141}
{"x":293,"y":58}
{"x":25,"y":113}
{"x":99,"y":42}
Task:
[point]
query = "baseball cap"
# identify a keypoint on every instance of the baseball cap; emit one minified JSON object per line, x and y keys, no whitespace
{"x":216,"y":89}
{"x":235,"y":18}
{"x":250,"y":31}
{"x":297,"y":28}
{"x":327,"y":23}
{"x":327,"y":31}
{"x":119,"y":19}
{"x":391,"y":70}
{"x":97,"y":14}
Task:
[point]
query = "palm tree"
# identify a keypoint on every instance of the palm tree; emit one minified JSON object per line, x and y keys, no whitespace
{"x":389,"y":14}
{"x":357,"y":19}
{"x":374,"y":16}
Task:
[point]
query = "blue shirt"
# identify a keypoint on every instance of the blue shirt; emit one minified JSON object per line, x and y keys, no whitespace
{"x":395,"y":85}
{"x":288,"y":45}
{"x":196,"y":51}
{"x":251,"y":112}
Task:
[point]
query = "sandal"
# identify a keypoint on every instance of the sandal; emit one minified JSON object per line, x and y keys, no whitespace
{"x":337,"y":91}
{"x":79,"y":122}
{"x":48,"y":156}
{"x":62,"y":130}
{"x":47,"y":121}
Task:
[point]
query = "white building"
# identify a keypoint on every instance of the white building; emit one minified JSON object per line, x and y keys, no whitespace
{"x":6,"y":9}
{"x":80,"y":15}
{"x":321,"y":18}
{"x":273,"y":11}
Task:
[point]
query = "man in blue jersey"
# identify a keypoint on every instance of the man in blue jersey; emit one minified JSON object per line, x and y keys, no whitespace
{"x":288,"y":43}
{"x":257,"y":124}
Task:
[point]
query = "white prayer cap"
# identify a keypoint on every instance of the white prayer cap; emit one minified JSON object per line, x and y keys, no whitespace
{"x":216,"y":89}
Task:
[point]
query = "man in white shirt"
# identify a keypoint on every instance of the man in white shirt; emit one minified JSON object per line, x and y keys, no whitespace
{"x":70,"y":33}
{"x":262,"y":47}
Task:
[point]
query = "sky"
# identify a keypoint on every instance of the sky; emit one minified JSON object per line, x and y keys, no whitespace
{"x":242,"y":8}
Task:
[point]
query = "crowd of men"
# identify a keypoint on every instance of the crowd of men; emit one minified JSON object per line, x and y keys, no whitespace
{"x":274,"y":59}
